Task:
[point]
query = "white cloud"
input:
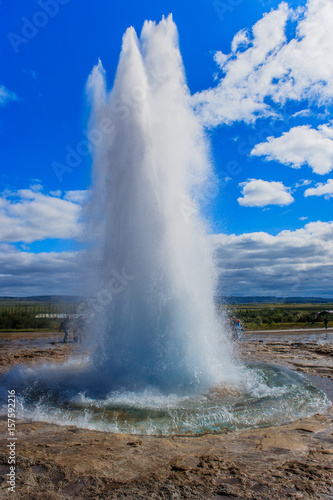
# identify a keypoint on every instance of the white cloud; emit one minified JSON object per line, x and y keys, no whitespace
{"x":271,"y":67}
{"x":240,"y":40}
{"x":27,"y":273}
{"x":6,"y":96}
{"x":78,"y":196}
{"x":302,"y":182}
{"x":321,"y":189}
{"x":292,"y":263}
{"x":29,"y":215}
{"x":56,"y":193}
{"x":299,"y":146}
{"x":304,"y":112}
{"x":36,"y":187}
{"x":259,"y":193}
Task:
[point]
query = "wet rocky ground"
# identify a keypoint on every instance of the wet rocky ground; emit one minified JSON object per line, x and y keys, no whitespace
{"x":31,"y":347}
{"x":291,"y":461}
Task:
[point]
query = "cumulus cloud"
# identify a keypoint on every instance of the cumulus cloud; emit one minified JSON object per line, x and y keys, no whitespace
{"x":321,"y":189}
{"x":27,"y":273}
{"x":259,"y":193}
{"x":264,"y":64}
{"x":77,"y":196}
{"x":6,"y":96}
{"x":299,"y":146}
{"x":29,"y":215}
{"x":302,"y":182}
{"x":292,"y":263}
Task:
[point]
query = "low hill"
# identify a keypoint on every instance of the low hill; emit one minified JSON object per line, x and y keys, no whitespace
{"x":232,"y":300}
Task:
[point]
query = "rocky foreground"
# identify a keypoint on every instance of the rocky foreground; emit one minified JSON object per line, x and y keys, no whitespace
{"x":290,"y":461}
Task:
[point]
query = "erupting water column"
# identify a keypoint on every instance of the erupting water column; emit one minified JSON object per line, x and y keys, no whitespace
{"x":151,"y":271}
{"x":158,"y":347}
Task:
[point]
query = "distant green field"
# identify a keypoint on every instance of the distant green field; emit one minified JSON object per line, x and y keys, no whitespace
{"x":299,"y":307}
{"x":281,"y":316}
{"x":19,"y":313}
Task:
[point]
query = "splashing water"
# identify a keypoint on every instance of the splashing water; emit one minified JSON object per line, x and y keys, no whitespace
{"x":154,"y":270}
{"x":160,"y":359}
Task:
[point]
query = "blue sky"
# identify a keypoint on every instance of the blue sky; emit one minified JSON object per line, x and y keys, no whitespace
{"x":261,"y":76}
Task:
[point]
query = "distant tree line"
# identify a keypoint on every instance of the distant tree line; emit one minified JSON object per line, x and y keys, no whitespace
{"x":22,"y":320}
{"x":272,"y":316}
{"x":23,"y":316}
{"x":44,"y":308}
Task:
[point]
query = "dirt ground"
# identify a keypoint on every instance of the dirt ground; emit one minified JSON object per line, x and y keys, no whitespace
{"x":291,"y":461}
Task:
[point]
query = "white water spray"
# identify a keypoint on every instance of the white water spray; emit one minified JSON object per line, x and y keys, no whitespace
{"x":152,"y":271}
{"x":161,"y":361}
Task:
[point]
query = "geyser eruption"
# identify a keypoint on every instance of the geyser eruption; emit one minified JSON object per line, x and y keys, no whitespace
{"x":152,"y":272}
{"x":159,"y":359}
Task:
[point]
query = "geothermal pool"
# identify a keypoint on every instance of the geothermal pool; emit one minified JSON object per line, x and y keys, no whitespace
{"x":269,"y":396}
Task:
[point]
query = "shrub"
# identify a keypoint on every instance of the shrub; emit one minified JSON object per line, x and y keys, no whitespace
{"x":20,"y":320}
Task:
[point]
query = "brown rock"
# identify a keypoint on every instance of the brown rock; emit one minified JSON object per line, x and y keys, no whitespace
{"x":284,"y":441}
